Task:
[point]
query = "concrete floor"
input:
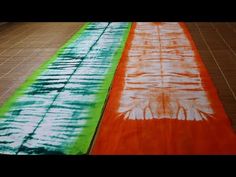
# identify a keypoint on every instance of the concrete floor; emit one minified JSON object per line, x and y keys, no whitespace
{"x":24,"y":46}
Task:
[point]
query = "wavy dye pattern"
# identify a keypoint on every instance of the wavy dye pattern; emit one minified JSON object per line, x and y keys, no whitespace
{"x":162,"y":79}
{"x":59,"y":112}
{"x":162,"y":100}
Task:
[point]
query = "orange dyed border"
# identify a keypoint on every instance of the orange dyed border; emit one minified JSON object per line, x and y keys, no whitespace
{"x":163,"y":136}
{"x":207,"y":82}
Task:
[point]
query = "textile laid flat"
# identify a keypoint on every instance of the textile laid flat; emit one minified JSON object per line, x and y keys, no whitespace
{"x":119,"y":88}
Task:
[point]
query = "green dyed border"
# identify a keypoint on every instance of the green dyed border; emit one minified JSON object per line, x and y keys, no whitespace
{"x":31,"y":79}
{"x":82,"y":144}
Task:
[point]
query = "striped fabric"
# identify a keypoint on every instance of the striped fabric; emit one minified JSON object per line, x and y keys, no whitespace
{"x":119,"y":88}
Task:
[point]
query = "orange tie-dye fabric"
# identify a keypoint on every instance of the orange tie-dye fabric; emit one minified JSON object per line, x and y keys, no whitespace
{"x":162,"y":99}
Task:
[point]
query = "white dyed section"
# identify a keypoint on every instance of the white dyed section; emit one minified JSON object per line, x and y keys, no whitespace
{"x":162,"y":78}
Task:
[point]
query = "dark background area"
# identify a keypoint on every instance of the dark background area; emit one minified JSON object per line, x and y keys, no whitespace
{"x":118,"y":10}
{"x":189,"y":11}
